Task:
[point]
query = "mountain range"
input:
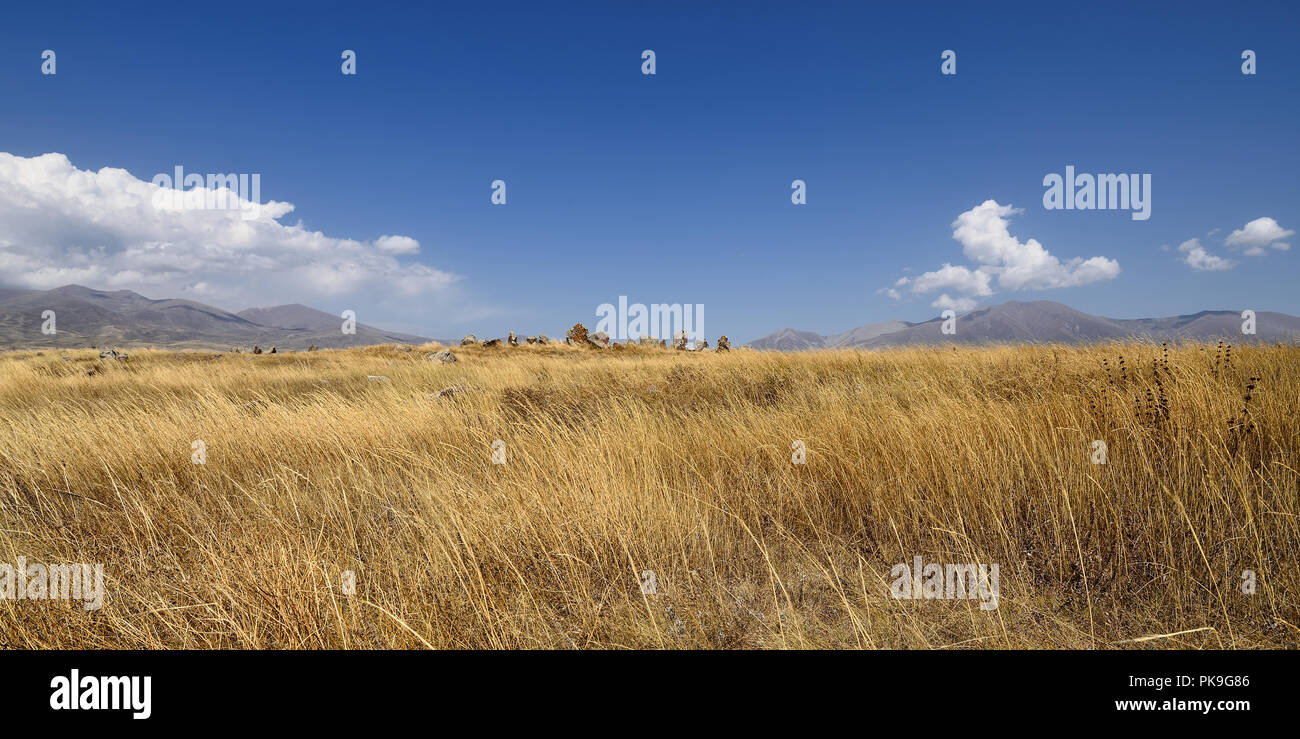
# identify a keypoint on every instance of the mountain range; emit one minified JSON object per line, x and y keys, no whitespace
{"x":84,"y":317}
{"x":1040,"y":321}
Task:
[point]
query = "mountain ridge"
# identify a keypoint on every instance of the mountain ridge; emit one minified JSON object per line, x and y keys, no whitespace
{"x":85,"y":316}
{"x":1040,"y":321}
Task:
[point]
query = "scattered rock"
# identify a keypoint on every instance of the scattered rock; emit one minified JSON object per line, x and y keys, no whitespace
{"x":576,"y":336}
{"x":723,"y":344}
{"x":445,"y":356}
{"x":490,"y":342}
{"x":113,"y":354}
{"x":452,"y":391}
{"x":257,"y":349}
{"x":402,"y":347}
{"x":600,"y":340}
{"x":469,"y":340}
{"x":512,"y":340}
{"x":273,"y":350}
{"x":311,"y":348}
{"x":679,"y":341}
{"x":376,"y":378}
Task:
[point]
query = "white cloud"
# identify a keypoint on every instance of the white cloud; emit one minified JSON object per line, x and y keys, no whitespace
{"x":959,"y":305}
{"x":1257,"y":234}
{"x":891,"y":292}
{"x":397,"y":245}
{"x":961,"y":279}
{"x":986,"y":239}
{"x":1199,"y":259}
{"x":60,"y":224}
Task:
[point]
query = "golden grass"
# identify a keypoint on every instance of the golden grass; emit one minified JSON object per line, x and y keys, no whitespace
{"x":627,"y":460}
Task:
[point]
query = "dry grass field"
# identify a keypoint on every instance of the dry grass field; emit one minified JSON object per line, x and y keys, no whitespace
{"x":629,"y":460}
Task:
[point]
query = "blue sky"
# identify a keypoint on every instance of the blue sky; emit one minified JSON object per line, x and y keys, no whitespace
{"x":667,"y":188}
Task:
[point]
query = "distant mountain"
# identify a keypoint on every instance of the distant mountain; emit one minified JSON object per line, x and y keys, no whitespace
{"x":790,"y":340}
{"x":864,"y":334}
{"x":1041,"y":321}
{"x":297,"y":316}
{"x":86,"y":317}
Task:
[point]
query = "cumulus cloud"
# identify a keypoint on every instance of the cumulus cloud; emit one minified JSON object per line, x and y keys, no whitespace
{"x":961,"y":279}
{"x":943,"y":302}
{"x":1004,"y":260}
{"x":1258,"y":234}
{"x":108,"y":229}
{"x":1199,"y":259}
{"x":985,"y":237}
{"x":397,"y":245}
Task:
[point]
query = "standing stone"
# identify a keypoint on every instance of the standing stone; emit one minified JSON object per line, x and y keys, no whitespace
{"x":576,"y":336}
{"x":723,"y":344}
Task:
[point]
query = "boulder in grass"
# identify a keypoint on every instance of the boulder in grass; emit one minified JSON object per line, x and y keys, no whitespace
{"x":451,"y":391}
{"x":598,"y":339}
{"x":490,"y":343}
{"x":512,"y":340}
{"x":113,"y":354}
{"x":376,"y":378}
{"x":723,"y":344}
{"x":576,"y":336}
{"x":469,"y":340}
{"x":444,"y":356}
{"x":679,"y":341}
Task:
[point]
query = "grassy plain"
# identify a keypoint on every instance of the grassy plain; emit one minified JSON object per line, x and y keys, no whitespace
{"x":629,"y":460}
